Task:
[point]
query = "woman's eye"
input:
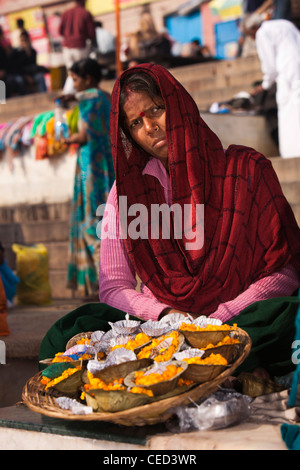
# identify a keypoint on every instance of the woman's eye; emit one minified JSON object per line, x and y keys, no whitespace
{"x":134,"y":123}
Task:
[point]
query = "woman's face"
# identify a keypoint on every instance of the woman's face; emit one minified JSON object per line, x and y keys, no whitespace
{"x":145,"y":120}
{"x":79,"y":83}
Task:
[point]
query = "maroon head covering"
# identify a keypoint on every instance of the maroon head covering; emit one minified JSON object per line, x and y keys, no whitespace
{"x":249,"y":228}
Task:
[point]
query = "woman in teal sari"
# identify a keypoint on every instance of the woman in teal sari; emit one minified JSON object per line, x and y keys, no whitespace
{"x":94,"y":177}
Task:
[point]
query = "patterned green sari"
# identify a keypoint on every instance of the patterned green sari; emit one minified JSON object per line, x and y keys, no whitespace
{"x":94,"y":177}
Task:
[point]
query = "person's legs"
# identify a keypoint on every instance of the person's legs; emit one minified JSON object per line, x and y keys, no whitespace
{"x":16,"y":85}
{"x":40,"y":82}
{"x":282,"y":10}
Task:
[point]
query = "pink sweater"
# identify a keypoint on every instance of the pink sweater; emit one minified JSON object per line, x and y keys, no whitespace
{"x":118,"y":281}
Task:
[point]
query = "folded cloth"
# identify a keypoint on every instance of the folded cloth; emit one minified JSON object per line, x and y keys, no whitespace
{"x":40,"y":122}
{"x":271,"y":327}
{"x":273,"y":408}
{"x":290,"y":433}
{"x":294,"y":398}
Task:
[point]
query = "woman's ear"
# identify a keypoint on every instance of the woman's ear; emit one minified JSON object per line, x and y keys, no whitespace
{"x":88,"y":80}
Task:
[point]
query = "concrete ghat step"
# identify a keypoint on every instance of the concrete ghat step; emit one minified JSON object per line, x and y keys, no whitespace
{"x":291,"y":190}
{"x":58,"y":283}
{"x":287,"y":169}
{"x":214,"y":81}
{"x":46,"y":231}
{"x":220,"y":67}
{"x":35,"y":213}
{"x":224,"y":73}
{"x":242,"y":129}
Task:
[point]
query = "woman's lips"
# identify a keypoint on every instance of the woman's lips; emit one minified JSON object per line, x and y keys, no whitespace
{"x":159,"y":142}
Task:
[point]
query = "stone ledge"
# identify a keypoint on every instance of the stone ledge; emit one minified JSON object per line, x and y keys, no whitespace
{"x":42,"y":434}
{"x":25,"y":213}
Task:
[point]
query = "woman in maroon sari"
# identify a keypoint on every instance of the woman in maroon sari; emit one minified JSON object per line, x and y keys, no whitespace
{"x":250,"y":233}
{"x":242,"y":268}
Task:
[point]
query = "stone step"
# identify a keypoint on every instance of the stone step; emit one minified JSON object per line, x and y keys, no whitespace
{"x":218,"y":82}
{"x":296,"y":210}
{"x":241,"y":129}
{"x":205,"y":98}
{"x":58,"y":283}
{"x":291,"y":190}
{"x":287,"y":169}
{"x":35,"y":212}
{"x":214,"y":81}
{"x":58,"y":255}
{"x":45,"y":231}
{"x":215,"y":74}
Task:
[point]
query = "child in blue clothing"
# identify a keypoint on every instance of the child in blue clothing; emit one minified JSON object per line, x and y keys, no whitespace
{"x":9,"y":280}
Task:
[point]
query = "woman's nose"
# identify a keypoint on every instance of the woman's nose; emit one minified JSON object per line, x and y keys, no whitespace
{"x":149,"y":124}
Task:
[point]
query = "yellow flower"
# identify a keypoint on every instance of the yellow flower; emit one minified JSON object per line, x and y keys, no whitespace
{"x":139,"y":340}
{"x":182,"y":382}
{"x":66,"y":373}
{"x":145,"y":391}
{"x":60,"y":358}
{"x":164,"y":354}
{"x":155,"y":377}
{"x":192,"y":327}
{"x":83,"y":340}
{"x":225,"y":341}
{"x":213,"y":359}
{"x":96,"y":383}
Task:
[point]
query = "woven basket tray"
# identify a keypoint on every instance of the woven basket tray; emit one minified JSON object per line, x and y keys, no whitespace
{"x":36,"y":399}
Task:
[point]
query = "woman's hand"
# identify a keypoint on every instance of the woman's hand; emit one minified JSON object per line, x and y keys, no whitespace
{"x":67,"y":98}
{"x":78,"y":138}
{"x":168,"y":311}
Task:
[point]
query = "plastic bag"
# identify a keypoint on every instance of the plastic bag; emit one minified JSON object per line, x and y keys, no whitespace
{"x":220,"y":410}
{"x":33,"y":272}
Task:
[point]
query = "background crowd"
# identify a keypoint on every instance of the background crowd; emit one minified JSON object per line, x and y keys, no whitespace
{"x":18,"y":64}
{"x":84,"y":36}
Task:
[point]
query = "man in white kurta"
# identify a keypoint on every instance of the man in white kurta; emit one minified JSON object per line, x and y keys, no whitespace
{"x":278,"y":48}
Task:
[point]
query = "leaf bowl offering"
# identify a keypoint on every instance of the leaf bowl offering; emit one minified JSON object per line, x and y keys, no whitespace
{"x":79,"y":338}
{"x":113,"y":401}
{"x":200,"y":338}
{"x":201,"y":370}
{"x":163,"y":347}
{"x":63,"y":377}
{"x":159,"y":409}
{"x":118,"y":371}
{"x":228,"y":351}
{"x":133,"y":342}
{"x":160,"y":378}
